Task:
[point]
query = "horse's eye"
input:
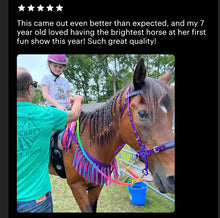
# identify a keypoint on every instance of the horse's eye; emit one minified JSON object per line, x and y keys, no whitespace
{"x":143,"y":114}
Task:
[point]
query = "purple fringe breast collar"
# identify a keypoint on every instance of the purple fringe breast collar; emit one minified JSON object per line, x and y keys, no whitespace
{"x":86,"y":170}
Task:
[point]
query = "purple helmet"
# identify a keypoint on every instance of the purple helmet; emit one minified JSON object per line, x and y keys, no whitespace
{"x":57,"y":58}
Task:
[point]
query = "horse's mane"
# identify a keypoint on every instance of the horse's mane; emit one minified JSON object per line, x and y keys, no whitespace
{"x":101,"y":117}
{"x":154,"y":93}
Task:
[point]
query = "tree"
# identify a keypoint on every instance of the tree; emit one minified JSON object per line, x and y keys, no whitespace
{"x":38,"y":97}
{"x":92,"y":75}
{"x":78,"y":73}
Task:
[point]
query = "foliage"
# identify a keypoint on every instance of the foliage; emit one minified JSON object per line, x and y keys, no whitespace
{"x":38,"y":97}
{"x":91,"y":75}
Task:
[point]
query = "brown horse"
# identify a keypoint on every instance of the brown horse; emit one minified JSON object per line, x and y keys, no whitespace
{"x":105,"y":129}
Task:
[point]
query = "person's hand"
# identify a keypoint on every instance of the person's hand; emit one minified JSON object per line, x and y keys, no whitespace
{"x":61,"y":107}
{"x":71,"y":100}
{"x":78,"y":98}
{"x":74,"y":114}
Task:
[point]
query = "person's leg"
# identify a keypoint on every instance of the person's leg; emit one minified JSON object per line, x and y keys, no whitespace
{"x":41,"y":205}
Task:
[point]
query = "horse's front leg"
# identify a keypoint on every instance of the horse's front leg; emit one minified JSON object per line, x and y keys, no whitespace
{"x":80,"y":194}
{"x":93,"y":195}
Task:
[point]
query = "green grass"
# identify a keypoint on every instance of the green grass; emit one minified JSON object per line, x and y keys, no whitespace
{"x":114,"y":198}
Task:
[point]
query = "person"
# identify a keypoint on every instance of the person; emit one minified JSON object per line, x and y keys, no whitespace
{"x":34,"y":126}
{"x":56,"y":89}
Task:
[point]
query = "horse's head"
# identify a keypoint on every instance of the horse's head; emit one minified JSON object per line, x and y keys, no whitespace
{"x":152,"y":114}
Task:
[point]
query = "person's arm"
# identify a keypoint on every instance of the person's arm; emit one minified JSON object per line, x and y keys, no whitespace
{"x":74,"y":113}
{"x":45,"y":93}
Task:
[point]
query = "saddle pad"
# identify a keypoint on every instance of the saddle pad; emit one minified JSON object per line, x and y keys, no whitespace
{"x":63,"y":136}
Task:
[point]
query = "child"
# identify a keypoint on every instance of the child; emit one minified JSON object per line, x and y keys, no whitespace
{"x":56,"y":89}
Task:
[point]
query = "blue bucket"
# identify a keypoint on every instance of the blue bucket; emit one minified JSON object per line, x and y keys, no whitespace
{"x":138,"y":193}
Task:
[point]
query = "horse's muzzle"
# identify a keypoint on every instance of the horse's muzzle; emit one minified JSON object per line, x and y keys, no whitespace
{"x":165,"y":184}
{"x":170,"y":184}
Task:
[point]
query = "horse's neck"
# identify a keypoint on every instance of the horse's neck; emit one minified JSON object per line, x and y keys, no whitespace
{"x":104,"y":152}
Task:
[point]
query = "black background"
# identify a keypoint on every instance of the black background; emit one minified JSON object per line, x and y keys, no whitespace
{"x":195,"y":87}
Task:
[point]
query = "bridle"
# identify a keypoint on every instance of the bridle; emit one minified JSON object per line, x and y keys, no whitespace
{"x":143,"y":151}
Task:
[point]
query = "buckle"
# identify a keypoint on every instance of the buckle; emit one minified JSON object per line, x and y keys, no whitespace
{"x":56,"y":153}
{"x":138,"y":138}
{"x":144,"y":173}
{"x":154,"y":148}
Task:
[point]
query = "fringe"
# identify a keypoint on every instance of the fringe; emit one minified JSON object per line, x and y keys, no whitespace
{"x":86,"y":169}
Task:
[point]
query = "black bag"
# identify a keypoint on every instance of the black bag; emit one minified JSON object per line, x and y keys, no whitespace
{"x":57,"y":157}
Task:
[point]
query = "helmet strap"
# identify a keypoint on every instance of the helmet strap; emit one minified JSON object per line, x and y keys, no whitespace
{"x":57,"y":76}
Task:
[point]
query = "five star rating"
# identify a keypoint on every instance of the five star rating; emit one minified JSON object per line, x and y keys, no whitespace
{"x":40,"y":8}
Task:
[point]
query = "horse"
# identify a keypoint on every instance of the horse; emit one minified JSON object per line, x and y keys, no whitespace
{"x":105,"y":129}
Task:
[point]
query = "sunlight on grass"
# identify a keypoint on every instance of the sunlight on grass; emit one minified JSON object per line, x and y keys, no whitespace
{"x":114,"y":198}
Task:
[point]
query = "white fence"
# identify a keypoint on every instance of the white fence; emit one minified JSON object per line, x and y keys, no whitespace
{"x":133,"y":154}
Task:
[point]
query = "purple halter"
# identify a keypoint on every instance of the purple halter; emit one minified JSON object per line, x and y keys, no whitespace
{"x":143,"y":151}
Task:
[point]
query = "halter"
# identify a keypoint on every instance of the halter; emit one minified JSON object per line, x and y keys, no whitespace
{"x":143,"y":151}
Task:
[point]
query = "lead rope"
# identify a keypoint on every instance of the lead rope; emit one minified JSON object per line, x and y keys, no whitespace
{"x":138,"y":179}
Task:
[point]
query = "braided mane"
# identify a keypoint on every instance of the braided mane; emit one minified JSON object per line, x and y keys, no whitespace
{"x":154,"y":93}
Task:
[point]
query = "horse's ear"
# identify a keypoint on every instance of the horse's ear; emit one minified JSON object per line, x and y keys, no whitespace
{"x":166,"y":77}
{"x":139,"y":75}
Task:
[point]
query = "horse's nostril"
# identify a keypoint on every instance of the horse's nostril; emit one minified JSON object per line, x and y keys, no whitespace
{"x":171,"y":180}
